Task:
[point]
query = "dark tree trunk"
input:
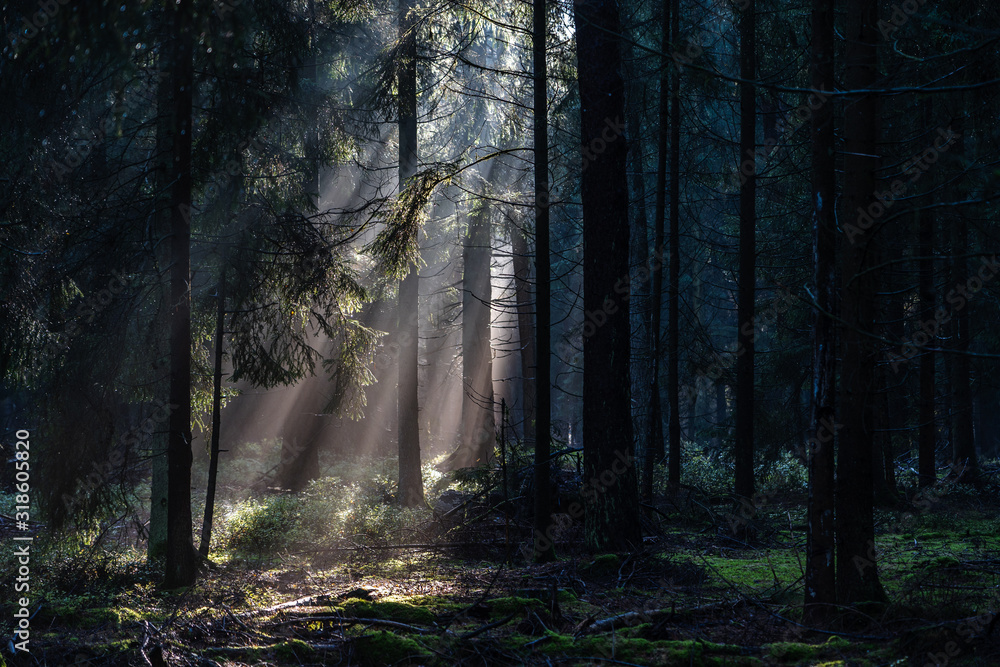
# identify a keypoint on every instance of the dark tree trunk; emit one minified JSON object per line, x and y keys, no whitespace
{"x":411,"y":485}
{"x":477,"y":364}
{"x":820,"y":581}
{"x":963,"y":445}
{"x":612,"y":501}
{"x":213,"y":461}
{"x":673,"y":305}
{"x":748,"y":257}
{"x":525,"y":333}
{"x":543,"y":409}
{"x":857,"y":571}
{"x":642,"y":339}
{"x":927,"y":429}
{"x":655,"y":437}
{"x":181,"y":565}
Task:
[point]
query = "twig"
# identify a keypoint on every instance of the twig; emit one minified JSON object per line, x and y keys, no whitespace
{"x":488,"y":626}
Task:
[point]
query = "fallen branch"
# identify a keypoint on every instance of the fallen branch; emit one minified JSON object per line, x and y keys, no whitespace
{"x":632,"y":618}
{"x":487,"y":627}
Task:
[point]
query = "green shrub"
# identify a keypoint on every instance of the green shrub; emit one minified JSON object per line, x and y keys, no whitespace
{"x":259,"y":527}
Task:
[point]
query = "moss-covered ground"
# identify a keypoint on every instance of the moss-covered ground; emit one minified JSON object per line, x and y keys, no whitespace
{"x":699,"y":594}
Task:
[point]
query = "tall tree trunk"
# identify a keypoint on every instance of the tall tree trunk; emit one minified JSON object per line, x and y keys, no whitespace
{"x":655,"y":436}
{"x":857,"y":571}
{"x":963,"y":444}
{"x":525,"y":333}
{"x":673,"y":305}
{"x":157,"y":544}
{"x":411,"y":485}
{"x":748,"y":257}
{"x":927,"y":429}
{"x":820,"y":576}
{"x":213,"y":461}
{"x":613,"y":501}
{"x":543,"y":325}
{"x":181,"y":566}
{"x":642,"y":339}
{"x":477,"y":364}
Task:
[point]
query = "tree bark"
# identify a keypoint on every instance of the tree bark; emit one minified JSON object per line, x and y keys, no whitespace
{"x":857,"y":570}
{"x":748,"y":258}
{"x":411,"y":486}
{"x":525,"y":333}
{"x":213,"y":461}
{"x":673,"y":305}
{"x":963,"y":445}
{"x":543,"y":328}
{"x":181,"y":565}
{"x":642,"y":339}
{"x":820,"y":575}
{"x":612,"y":500}
{"x":655,"y":437}
{"x":478,"y":422}
{"x":927,"y":429}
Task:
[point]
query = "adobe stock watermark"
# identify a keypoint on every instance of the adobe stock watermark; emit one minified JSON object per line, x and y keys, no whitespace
{"x":901,"y":13}
{"x":957,"y":297}
{"x":915,"y":167}
{"x":748,"y":329}
{"x":824,"y":435}
{"x":31,"y":26}
{"x":75,"y":155}
{"x":86,"y":311}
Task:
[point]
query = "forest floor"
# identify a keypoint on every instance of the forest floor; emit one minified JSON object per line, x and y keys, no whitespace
{"x":714,"y":585}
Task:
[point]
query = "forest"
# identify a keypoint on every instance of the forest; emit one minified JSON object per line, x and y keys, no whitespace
{"x":544,"y":332}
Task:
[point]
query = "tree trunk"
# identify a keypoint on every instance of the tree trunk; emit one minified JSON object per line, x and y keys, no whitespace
{"x":820,"y":581}
{"x":857,"y":571}
{"x":478,"y":423}
{"x":525,"y":333}
{"x":411,"y":486}
{"x":613,"y":503}
{"x":181,"y":566}
{"x":963,"y":445}
{"x":213,"y":462}
{"x":748,"y":257}
{"x":543,"y":386}
{"x":673,"y":289}
{"x":157,"y":545}
{"x":655,"y":436}
{"x":642,"y":339}
{"x":927,"y":429}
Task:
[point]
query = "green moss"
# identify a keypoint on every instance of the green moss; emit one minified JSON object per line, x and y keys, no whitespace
{"x":796,"y":651}
{"x":247,"y":653}
{"x":642,"y":651}
{"x":401,"y":612}
{"x":388,"y":648}
{"x":293,"y":649}
{"x":566,"y":595}
{"x":939,"y":562}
